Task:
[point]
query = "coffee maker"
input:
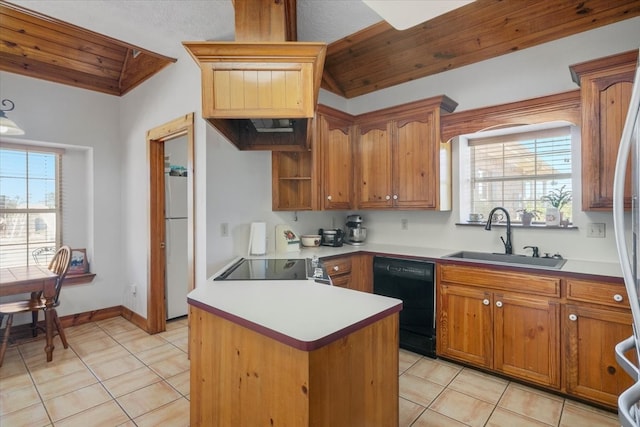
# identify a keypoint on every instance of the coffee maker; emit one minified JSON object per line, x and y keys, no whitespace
{"x":356,"y":232}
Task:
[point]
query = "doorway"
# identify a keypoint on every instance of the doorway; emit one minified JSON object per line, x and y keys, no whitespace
{"x":181,"y":127}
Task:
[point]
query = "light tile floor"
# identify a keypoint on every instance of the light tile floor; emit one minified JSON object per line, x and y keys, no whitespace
{"x":114,"y":374}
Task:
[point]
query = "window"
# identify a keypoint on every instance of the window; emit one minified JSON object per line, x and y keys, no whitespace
{"x":517,"y":170}
{"x":30,"y":211}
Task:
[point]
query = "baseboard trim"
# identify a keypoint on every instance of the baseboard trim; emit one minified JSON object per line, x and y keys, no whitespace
{"x":134,"y":318}
{"x":90,"y":316}
{"x":23,"y":331}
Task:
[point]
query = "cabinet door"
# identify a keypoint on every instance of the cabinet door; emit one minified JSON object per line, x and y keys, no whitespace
{"x":591,"y":368}
{"x":337,"y":163}
{"x":527,"y":339}
{"x":606,"y":86}
{"x":415,"y":169}
{"x":373,"y":157}
{"x":465,"y":325}
{"x":292,"y":181}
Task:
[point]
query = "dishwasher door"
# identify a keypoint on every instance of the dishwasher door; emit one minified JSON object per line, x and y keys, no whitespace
{"x":413,"y":282}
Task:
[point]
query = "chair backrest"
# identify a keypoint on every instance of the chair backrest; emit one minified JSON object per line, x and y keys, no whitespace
{"x":60,"y":265}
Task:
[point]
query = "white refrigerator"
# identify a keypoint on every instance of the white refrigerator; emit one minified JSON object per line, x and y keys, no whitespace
{"x":177,"y":270}
{"x":628,"y":244}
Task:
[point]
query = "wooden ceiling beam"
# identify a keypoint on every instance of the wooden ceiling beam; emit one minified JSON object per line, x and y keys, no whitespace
{"x":265,"y":20}
{"x":381,"y":56}
{"x":41,"y":47}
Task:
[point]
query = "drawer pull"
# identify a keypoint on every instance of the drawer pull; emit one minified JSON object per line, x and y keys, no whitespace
{"x":617,"y":298}
{"x":336,"y":268}
{"x":498,"y":304}
{"x":387,"y":197}
{"x":573,"y":317}
{"x":329,"y":198}
{"x":485,"y":301}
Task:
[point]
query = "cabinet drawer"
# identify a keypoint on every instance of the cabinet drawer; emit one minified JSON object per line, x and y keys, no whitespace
{"x":337,"y":266}
{"x":500,"y":279}
{"x":341,"y":280}
{"x":613,"y":294}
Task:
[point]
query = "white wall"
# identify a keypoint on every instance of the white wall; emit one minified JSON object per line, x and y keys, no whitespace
{"x":86,"y":123}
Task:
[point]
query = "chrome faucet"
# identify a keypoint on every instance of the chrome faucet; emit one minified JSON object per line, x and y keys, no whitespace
{"x":508,"y":249}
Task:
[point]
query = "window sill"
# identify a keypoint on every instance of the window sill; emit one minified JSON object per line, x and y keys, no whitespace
{"x":78,"y":279}
{"x":516,"y":225}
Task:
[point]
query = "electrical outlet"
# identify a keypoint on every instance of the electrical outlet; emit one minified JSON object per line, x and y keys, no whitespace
{"x":224,"y":229}
{"x":404,"y":224}
{"x":596,"y":229}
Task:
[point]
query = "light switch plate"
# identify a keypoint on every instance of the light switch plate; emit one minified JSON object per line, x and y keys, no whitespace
{"x":596,"y":229}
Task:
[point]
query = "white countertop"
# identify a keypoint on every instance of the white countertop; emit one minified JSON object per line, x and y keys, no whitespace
{"x":611,"y":269}
{"x":300,"y":313}
{"x":307,"y":315}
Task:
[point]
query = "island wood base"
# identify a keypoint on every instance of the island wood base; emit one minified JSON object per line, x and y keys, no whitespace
{"x":240,"y":377}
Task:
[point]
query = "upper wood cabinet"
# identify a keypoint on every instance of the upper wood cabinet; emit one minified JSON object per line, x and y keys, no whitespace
{"x":605,"y":87}
{"x":293,"y":178}
{"x":334,"y":137}
{"x":400,"y":160}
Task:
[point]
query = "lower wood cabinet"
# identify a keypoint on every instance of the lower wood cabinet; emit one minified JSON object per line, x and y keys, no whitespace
{"x":596,"y":318}
{"x":591,"y":369}
{"x":351,"y":271}
{"x":558,"y":332}
{"x":511,"y":333}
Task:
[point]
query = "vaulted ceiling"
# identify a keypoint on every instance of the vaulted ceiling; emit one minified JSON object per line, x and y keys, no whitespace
{"x":373,"y":57}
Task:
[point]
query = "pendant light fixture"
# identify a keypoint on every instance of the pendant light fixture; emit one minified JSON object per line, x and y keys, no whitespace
{"x":7,"y":126}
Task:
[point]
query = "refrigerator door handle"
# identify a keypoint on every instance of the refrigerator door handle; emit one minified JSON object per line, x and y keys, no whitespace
{"x":618,"y":197}
{"x":167,"y":238}
{"x":627,"y":406}
{"x":621,"y":348}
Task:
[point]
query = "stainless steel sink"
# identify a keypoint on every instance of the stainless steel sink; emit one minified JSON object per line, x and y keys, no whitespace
{"x":504,"y":259}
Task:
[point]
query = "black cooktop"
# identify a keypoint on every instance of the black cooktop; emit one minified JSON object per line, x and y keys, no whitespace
{"x":266,"y":269}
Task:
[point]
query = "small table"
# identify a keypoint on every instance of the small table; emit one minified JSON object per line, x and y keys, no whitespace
{"x":33,"y":278}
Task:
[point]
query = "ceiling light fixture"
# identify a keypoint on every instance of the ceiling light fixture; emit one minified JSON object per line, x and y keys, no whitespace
{"x":7,"y":126}
{"x":403,"y":14}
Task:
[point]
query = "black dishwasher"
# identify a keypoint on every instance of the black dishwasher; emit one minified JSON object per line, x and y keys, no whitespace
{"x":413,"y":282}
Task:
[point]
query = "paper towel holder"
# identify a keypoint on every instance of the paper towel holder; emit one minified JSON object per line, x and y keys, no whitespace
{"x":258,"y":238}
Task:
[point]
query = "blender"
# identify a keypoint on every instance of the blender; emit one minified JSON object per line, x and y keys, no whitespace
{"x":356,"y":232}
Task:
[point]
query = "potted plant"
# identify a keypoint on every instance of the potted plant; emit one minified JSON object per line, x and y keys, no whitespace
{"x":557,"y":199}
{"x":527,"y":216}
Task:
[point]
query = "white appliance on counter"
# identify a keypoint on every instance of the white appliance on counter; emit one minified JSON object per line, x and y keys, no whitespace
{"x":177,"y":269}
{"x":628,"y":252}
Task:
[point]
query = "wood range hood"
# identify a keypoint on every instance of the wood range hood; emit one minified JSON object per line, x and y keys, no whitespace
{"x":261,"y":90}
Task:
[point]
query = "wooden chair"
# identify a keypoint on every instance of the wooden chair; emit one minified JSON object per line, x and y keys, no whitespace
{"x":60,"y":265}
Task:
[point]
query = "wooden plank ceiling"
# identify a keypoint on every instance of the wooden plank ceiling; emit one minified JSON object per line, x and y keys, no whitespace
{"x":38,"y":46}
{"x":369,"y":60}
{"x":381,"y":56}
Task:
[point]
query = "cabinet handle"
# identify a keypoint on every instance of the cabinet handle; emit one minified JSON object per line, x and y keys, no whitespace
{"x":573,"y":317}
{"x":329,"y":198}
{"x":485,"y":301}
{"x":498,"y":304}
{"x":336,"y":268}
{"x":387,"y":197}
{"x":617,"y":298}
{"x":395,"y":197}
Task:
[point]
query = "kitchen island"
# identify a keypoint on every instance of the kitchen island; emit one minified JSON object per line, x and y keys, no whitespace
{"x":292,"y":353}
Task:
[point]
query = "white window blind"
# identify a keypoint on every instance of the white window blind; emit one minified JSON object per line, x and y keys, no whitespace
{"x":30,"y":211}
{"x":515,"y":171}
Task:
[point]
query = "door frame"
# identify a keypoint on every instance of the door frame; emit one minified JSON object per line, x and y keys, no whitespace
{"x":156,"y":137}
